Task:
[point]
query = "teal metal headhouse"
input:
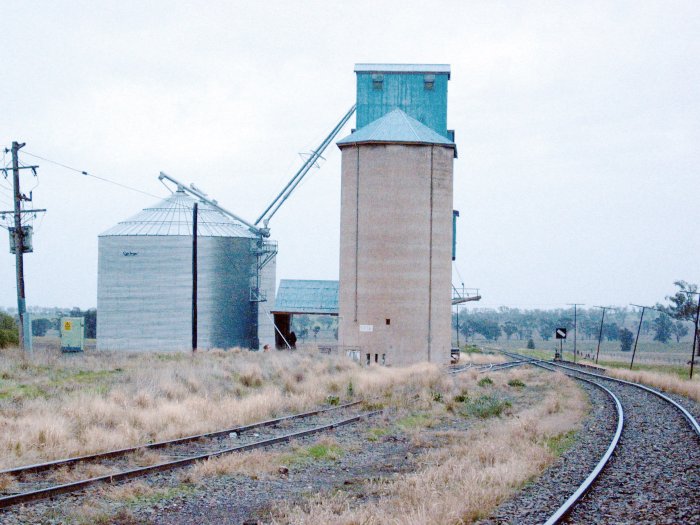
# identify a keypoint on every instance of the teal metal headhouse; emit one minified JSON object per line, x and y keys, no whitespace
{"x":419,"y":90}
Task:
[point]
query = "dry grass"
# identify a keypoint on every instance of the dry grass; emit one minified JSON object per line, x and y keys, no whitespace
{"x":7,"y":483}
{"x":666,"y":382}
{"x":68,"y":475}
{"x":254,"y":464}
{"x":468,"y":476}
{"x":54,"y":406}
{"x":481,"y":359}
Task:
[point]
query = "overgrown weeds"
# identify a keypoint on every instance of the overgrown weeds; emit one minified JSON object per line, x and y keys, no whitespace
{"x":485,"y":406}
{"x":666,"y":382}
{"x":485,"y":381}
{"x":469,"y":475}
{"x":54,"y":406}
{"x":561,"y":442}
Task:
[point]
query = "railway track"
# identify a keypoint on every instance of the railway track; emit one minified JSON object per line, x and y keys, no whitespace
{"x":485,"y":367}
{"x":651,"y":469}
{"x":39,"y":481}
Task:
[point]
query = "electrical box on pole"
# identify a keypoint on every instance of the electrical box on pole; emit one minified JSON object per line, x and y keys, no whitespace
{"x":27,"y":234}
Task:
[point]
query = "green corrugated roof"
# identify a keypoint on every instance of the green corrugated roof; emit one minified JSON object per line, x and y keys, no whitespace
{"x":307,"y":297}
{"x":396,"y":126}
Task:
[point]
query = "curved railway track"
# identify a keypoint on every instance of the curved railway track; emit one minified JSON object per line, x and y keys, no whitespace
{"x":651,"y":470}
{"x":38,"y":481}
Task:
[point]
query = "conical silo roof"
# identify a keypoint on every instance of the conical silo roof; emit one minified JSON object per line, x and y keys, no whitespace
{"x":173,"y":216}
{"x":396,"y":127}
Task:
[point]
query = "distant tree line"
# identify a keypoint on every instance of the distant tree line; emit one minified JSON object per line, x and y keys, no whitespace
{"x":510,"y":323}
{"x":307,"y":326}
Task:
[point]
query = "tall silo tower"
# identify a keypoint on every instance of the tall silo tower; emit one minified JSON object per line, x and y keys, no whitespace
{"x":396,"y":217}
{"x":144,"y":285}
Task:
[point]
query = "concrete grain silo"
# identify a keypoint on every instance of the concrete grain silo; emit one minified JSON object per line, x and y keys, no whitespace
{"x":396,"y":218}
{"x":144,"y":296}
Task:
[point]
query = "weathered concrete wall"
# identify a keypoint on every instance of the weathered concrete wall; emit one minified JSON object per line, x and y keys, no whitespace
{"x":395,"y":252}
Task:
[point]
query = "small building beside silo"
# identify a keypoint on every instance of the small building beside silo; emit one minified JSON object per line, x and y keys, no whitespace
{"x":144,"y":296}
{"x":396,"y":218}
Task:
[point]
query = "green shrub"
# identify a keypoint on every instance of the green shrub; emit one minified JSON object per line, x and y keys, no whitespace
{"x":485,"y":406}
{"x":333,"y":400}
{"x":485,"y":381}
{"x":374,"y":434}
{"x":461,"y":397}
{"x":9,"y":335}
{"x":561,"y":442}
{"x":516,"y":383}
{"x":530,"y":344}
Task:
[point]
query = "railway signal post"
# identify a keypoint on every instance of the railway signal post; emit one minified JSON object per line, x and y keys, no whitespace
{"x":560,"y":333}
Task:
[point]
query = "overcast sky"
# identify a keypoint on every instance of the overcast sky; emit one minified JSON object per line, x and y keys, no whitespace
{"x":577,"y":123}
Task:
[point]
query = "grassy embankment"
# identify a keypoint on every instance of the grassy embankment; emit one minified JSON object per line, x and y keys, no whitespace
{"x":519,"y":422}
{"x":667,"y":377}
{"x":54,"y":406}
{"x":463,"y":476}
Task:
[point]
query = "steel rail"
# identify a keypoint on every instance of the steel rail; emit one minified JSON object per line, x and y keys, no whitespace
{"x":576,"y":496}
{"x":40,"y":467}
{"x":562,"y":511}
{"x":502,"y":366}
{"x":686,"y":414}
{"x":15,"y":499}
{"x":588,"y":482}
{"x":485,"y":367}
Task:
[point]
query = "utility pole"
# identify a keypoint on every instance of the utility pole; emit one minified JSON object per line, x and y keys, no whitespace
{"x":600,"y":333}
{"x":18,"y":234}
{"x":695,"y":334}
{"x":19,"y":244}
{"x":695,"y":337}
{"x":575,"y":325}
{"x":639,"y":328}
{"x":194,"y":278}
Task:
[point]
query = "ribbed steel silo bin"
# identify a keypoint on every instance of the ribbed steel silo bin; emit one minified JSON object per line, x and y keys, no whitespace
{"x":144,"y":296}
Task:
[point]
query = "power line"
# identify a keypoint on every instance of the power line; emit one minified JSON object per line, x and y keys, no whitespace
{"x":83,"y":172}
{"x":575,"y":305}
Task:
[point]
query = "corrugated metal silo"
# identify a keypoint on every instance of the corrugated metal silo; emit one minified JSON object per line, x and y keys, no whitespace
{"x":144,"y":296}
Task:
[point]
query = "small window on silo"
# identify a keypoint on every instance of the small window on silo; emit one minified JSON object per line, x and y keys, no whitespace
{"x":388,"y":322}
{"x":376,"y":358}
{"x":369,"y":358}
{"x":383,"y":359}
{"x":429,"y":82}
{"x":377,"y":81}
